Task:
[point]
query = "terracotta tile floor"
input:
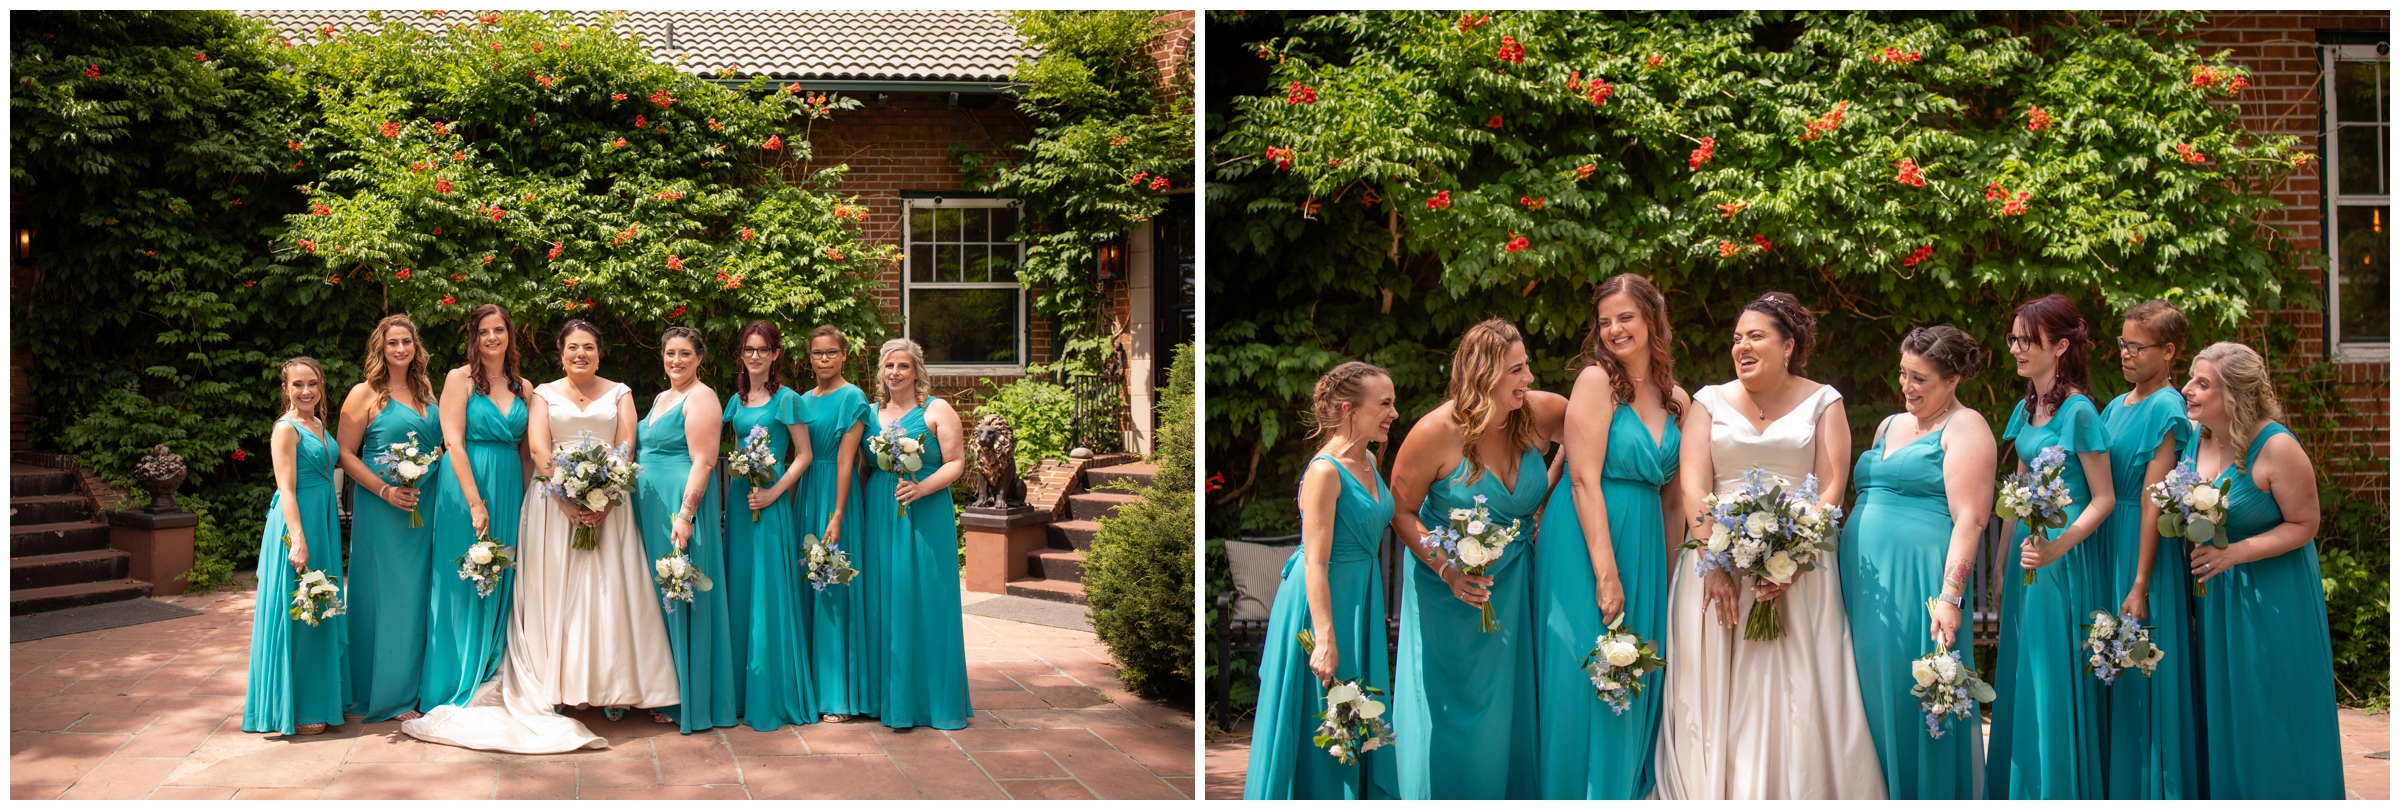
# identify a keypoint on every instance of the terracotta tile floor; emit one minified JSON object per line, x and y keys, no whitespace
{"x":154,"y":711}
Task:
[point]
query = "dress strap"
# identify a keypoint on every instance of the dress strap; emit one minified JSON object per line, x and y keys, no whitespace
{"x":2265,"y":432}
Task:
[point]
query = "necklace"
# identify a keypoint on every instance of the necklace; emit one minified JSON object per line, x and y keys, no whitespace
{"x":1761,"y":406}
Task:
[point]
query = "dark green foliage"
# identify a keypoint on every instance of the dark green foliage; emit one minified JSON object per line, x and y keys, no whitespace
{"x":1139,"y":575}
{"x":1041,"y":414}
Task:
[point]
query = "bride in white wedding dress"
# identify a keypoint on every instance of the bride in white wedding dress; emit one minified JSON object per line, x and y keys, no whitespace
{"x":1777,"y":719}
{"x":585,"y":628}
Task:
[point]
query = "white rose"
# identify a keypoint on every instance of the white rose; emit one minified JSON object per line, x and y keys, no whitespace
{"x":1780,"y":568}
{"x":911,"y":446}
{"x":664,"y":567}
{"x":1342,"y":693}
{"x":1719,"y":537}
{"x":1923,"y":671}
{"x":480,"y":554}
{"x":2062,"y":500}
{"x":411,"y":469}
{"x":1619,"y":653}
{"x":2098,"y":663}
{"x":681,"y":564}
{"x":1946,"y":667}
{"x":1473,"y":553}
{"x":595,"y":499}
{"x":2106,"y":624}
{"x":1759,"y":524}
{"x":2202,"y":497}
{"x":1477,"y":527}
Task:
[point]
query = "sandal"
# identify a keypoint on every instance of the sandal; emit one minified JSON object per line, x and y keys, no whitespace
{"x":835,"y":718}
{"x":311,"y":728}
{"x":409,"y":715}
{"x":661,"y":717}
{"x":614,"y":713}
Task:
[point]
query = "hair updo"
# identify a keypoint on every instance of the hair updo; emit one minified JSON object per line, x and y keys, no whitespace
{"x":2164,"y":321}
{"x":1794,"y":321}
{"x":1952,"y":353}
{"x":580,"y":325}
{"x":699,"y":347}
{"x":1345,"y":384}
{"x":2248,"y":388}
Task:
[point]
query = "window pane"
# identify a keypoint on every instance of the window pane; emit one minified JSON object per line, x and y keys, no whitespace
{"x":1004,"y":224}
{"x":2359,"y":91}
{"x":945,"y":263}
{"x":976,"y":327}
{"x":977,"y":230}
{"x":920,"y":225}
{"x":2365,"y":152}
{"x":2366,"y":292}
{"x":920,"y":262}
{"x":945,"y":225}
{"x":1004,"y":264}
{"x":977,"y":260}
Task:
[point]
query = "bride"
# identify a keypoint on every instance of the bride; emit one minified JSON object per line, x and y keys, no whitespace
{"x":1775,"y":719}
{"x":585,"y":628}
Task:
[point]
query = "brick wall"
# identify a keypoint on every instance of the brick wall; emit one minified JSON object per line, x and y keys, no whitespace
{"x":2279,"y":48}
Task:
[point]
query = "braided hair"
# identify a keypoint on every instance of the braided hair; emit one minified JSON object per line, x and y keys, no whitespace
{"x":1793,"y":321}
{"x":1345,"y":384}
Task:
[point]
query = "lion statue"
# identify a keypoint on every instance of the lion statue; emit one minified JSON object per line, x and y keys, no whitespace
{"x":996,"y":459}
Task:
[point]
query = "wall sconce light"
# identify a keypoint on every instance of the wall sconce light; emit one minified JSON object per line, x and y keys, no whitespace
{"x":24,"y":243}
{"x":1112,"y":261}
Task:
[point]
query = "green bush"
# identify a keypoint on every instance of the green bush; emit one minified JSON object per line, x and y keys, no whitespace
{"x":1139,"y":575}
{"x":2353,"y":545}
{"x":1042,"y":414}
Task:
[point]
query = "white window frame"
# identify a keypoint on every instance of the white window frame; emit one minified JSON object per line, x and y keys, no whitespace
{"x":2333,"y":200}
{"x":909,"y":283}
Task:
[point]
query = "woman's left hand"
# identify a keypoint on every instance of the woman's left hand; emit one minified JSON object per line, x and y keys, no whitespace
{"x":763,"y":498}
{"x":682,"y":533}
{"x":2034,"y":552}
{"x":2208,"y":561}
{"x":906,"y":491}
{"x":592,"y":517}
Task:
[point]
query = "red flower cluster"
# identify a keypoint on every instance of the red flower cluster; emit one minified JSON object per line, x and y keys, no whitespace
{"x":748,"y":234}
{"x":497,"y":213}
{"x":1918,"y":255}
{"x":238,"y":455}
{"x":1826,"y":123}
{"x":2037,"y":120}
{"x":662,"y":196}
{"x":441,"y":185}
{"x":627,"y":234}
{"x":495,"y":47}
{"x":2204,"y":75}
{"x":437,"y":230}
{"x":1575,"y":82}
{"x":537,"y":47}
{"x":2238,"y":84}
{"x":640,"y":122}
{"x":1282,"y":157}
{"x":458,"y":277}
{"x":1370,"y":198}
{"x":92,"y":72}
{"x":306,"y":246}
{"x":1600,"y":91}
{"x":1511,"y":51}
{"x":487,"y":258}
{"x":1708,"y":149}
{"x":488,"y":18}
{"x":2189,"y":154}
{"x":1216,"y":482}
{"x":616,"y":96}
{"x":1139,"y":178}
{"x":402,"y":275}
{"x":571,"y":282}
{"x":713,"y":126}
{"x":1516,"y":243}
{"x":1160,"y":183}
{"x":318,"y":209}
{"x":1492,"y":124}
{"x":678,"y":313}
{"x":326,"y":31}
{"x":1726,"y":249}
{"x":449,"y":300}
{"x":440,"y":128}
{"x":200,"y":57}
{"x":1656,"y":61}
{"x":544,"y":80}
{"x":1909,"y":174}
{"x":557,"y":248}
{"x":735,"y":282}
{"x":1438,"y":201}
{"x":1760,"y":240}
{"x":1896,"y":56}
{"x":1469,"y":21}
{"x":390,"y":129}
{"x":1301,"y":94}
{"x":1309,"y":209}
{"x":662,"y":99}
{"x":1584,"y":171}
{"x":792,"y":89}
{"x":675,"y":263}
{"x":833,"y":253}
{"x":293,"y":145}
{"x":774,"y":142}
{"x":1727,"y":210}
{"x":2009,"y":207}
{"x":1533,"y":203}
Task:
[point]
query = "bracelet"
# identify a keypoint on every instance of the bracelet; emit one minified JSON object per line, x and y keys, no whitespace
{"x":1955,"y":601}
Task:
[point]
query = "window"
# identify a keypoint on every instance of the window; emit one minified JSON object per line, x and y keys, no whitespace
{"x":962,"y":299}
{"x":2358,"y":203}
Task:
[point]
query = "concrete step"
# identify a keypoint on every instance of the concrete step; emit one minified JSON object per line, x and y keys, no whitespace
{"x":1049,"y":589}
{"x":56,"y":538}
{"x":26,"y":480}
{"x":1073,"y":534}
{"x":37,"y":509}
{"x":1098,"y":478}
{"x":71,"y":568}
{"x":1055,"y":564}
{"x":1098,"y":505}
{"x":67,"y":597}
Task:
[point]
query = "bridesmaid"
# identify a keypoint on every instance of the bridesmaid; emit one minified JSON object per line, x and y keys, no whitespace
{"x":480,"y":489}
{"x":1603,"y":550}
{"x":2265,"y":660}
{"x":1334,"y":590}
{"x":2150,"y":731}
{"x":915,"y":578}
{"x":2046,"y":724}
{"x":1924,"y":491}
{"x":389,"y":560}
{"x":846,"y":673}
{"x":678,"y":505}
{"x":1463,"y":699}
{"x":764,"y":553}
{"x":298,"y":679}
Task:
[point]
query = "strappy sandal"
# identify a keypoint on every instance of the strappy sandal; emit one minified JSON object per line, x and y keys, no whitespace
{"x":835,"y":718}
{"x":409,"y":715}
{"x":661,"y":717}
{"x":307,"y":729}
{"x":614,"y":713}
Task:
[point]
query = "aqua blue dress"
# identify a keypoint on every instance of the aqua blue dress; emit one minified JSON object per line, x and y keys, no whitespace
{"x":846,"y":674}
{"x":915,"y":584}
{"x":1285,"y":762}
{"x":389,"y":589}
{"x":2047,"y":738}
{"x":1463,"y":699}
{"x":1589,"y":751}
{"x":702,"y":632}
{"x":1892,"y":551}
{"x":298,"y":674}
{"x":466,"y":634}
{"x":2150,"y":732}
{"x":2265,"y":660}
{"x":770,"y":580}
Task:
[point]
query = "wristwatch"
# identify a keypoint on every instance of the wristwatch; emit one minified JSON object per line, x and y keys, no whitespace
{"x":1955,"y":601}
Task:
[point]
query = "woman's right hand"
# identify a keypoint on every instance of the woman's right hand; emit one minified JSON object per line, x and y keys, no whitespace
{"x":1718,"y":590}
{"x":1327,"y":659}
{"x":298,"y":555}
{"x":1610,"y":594}
{"x":833,"y":531}
{"x":481,"y":519}
{"x":402,"y":498}
{"x":1473,"y":590}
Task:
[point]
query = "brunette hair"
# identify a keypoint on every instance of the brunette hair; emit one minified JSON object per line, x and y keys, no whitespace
{"x":1793,"y":321}
{"x":1652,"y":305}
{"x":2249,"y":391}
{"x":1952,"y":353}
{"x":283,"y":377}
{"x":699,"y":347}
{"x":774,"y":336}
{"x":2164,"y":321}
{"x":475,"y":369}
{"x":2053,"y":317}
{"x":420,"y":383}
{"x":1344,"y":384}
{"x":916,"y":357}
{"x":574,"y":325}
{"x":1474,"y":368}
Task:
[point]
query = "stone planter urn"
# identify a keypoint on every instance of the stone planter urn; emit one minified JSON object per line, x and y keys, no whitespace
{"x":161,"y":473}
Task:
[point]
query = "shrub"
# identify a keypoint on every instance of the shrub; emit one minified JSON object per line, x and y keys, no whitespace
{"x":1042,"y":414}
{"x":2352,"y":545}
{"x":1139,"y":575}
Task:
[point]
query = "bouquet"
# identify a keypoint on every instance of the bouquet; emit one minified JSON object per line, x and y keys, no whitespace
{"x":1946,"y":687}
{"x":1770,"y":532}
{"x":754,"y":462}
{"x":2117,"y":644}
{"x":316,"y":596}
{"x":1617,"y":664}
{"x":408,"y":464}
{"x":1475,"y":543}
{"x":591,"y":473}
{"x":1354,"y":721}
{"x":678,"y":578}
{"x":827,"y":563}
{"x":2190,"y":508}
{"x":2038,"y":496}
{"x":897,"y":452}
{"x":483,"y":563}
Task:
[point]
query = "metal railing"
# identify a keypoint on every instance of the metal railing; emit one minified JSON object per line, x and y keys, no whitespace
{"x":1095,"y":423}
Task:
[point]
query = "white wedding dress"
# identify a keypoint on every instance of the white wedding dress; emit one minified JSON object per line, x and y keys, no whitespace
{"x":1763,"y":719}
{"x":585,"y":627}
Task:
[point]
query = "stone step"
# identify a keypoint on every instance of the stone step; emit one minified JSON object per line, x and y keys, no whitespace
{"x":71,"y":568}
{"x":1048,"y":589}
{"x":1098,"y":505}
{"x":67,"y":597}
{"x":26,"y":480}
{"x":1097,"y":479}
{"x":1073,"y":534}
{"x":56,"y":538}
{"x":38,"y":509}
{"x":1053,"y":564}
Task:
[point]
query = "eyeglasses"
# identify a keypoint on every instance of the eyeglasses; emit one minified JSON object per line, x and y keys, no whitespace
{"x":2130,"y":347}
{"x":2018,"y":342}
{"x":824,"y":352}
{"x":757,"y":351}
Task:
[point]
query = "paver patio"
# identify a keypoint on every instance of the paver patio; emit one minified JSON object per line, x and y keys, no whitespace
{"x":154,"y":711}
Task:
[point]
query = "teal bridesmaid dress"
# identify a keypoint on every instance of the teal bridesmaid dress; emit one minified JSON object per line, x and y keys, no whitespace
{"x":389,"y":589}
{"x":465,"y":634}
{"x":2265,"y":661}
{"x":1285,"y":762}
{"x":765,"y":557}
{"x":701,"y":632}
{"x":915,"y":583}
{"x":1463,"y":699}
{"x":298,"y":674}
{"x":845,"y":672}
{"x":1589,"y":751}
{"x":1892,"y":552}
{"x":2150,"y":732}
{"x":2046,"y":724}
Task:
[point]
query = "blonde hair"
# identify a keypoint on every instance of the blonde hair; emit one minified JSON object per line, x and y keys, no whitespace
{"x":283,"y":379}
{"x":1474,"y":368}
{"x":1345,"y":384}
{"x":916,"y":357}
{"x":420,"y":383}
{"x":2249,"y":390}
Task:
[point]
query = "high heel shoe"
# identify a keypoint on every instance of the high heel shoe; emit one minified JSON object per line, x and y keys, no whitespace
{"x":614,"y":713}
